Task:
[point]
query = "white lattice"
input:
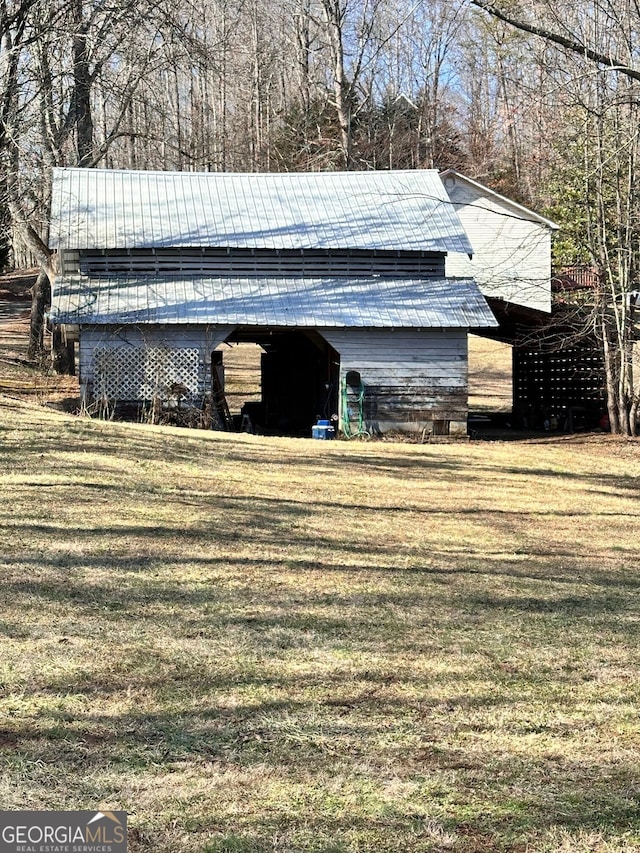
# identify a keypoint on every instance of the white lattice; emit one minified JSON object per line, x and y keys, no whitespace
{"x":144,"y":373}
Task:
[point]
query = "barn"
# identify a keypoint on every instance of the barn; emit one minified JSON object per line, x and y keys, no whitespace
{"x":558,"y":377}
{"x":512,"y":247}
{"x":339,"y":277}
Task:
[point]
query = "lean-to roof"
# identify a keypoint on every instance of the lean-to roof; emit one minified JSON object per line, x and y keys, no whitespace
{"x":374,"y":302}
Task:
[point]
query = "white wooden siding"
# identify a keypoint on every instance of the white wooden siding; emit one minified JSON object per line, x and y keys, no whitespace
{"x":413,"y":378}
{"x":203,"y":339}
{"x":512,"y":255}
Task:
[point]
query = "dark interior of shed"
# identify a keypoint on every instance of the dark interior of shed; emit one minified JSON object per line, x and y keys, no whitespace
{"x":299,"y":379}
{"x":557,"y":368}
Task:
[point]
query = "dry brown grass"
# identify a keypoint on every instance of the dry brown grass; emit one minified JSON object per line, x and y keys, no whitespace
{"x":20,"y":379}
{"x":242,"y":374}
{"x":277,"y":645}
{"x":490,"y":387}
{"x":260,"y":644}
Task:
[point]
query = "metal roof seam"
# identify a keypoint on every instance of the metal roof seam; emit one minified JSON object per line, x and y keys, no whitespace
{"x":267,"y":301}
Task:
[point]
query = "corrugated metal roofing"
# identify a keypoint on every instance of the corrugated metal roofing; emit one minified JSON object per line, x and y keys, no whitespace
{"x":271,"y":301}
{"x":403,"y":210}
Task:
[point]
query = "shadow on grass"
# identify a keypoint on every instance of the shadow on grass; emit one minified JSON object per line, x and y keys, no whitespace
{"x":136,"y":445}
{"x":131,"y":587}
{"x":259,"y":666}
{"x":232,"y":716}
{"x":478,"y":793}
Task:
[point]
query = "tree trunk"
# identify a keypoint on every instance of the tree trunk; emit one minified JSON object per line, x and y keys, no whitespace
{"x":82,"y":90}
{"x":40,"y":299}
{"x":334,"y":14}
{"x":634,"y":413}
{"x":611,"y":377}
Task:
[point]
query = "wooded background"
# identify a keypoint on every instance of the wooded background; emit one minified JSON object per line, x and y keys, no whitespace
{"x":250,"y":85}
{"x":537,"y":99}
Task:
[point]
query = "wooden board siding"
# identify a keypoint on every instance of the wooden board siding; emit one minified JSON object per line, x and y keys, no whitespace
{"x":266,"y":262}
{"x":178,"y":341}
{"x":512,"y":255}
{"x":564,"y":386}
{"x":414,"y":380}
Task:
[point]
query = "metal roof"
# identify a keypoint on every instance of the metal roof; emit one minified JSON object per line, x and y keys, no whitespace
{"x":374,"y":302}
{"x":110,"y":209}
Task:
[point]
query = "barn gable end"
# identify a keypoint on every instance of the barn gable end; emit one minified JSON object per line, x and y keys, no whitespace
{"x":511,"y":245}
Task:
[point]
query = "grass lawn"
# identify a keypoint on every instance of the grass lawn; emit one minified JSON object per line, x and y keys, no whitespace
{"x":258,"y":644}
{"x":490,"y":386}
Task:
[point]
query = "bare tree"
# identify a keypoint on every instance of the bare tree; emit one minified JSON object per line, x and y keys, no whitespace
{"x":602,"y":89}
{"x":53,"y":60}
{"x":565,"y":39}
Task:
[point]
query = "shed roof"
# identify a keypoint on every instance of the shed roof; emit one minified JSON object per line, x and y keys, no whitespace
{"x":374,"y":302}
{"x":402,"y":210}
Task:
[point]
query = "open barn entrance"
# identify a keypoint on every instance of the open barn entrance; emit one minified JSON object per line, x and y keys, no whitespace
{"x":490,"y":378}
{"x":279,"y":382}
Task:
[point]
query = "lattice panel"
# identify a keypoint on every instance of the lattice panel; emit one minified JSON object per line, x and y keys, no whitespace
{"x":142,"y":373}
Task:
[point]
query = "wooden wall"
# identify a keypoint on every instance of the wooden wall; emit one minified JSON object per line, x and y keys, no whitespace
{"x":563,"y":387}
{"x":241,"y":262}
{"x":144,"y":355}
{"x":414,"y":379}
{"x":512,"y":254}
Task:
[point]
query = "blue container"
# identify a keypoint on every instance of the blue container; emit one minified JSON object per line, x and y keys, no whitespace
{"x":323,"y":430}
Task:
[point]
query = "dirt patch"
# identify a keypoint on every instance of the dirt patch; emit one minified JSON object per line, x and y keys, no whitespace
{"x":19,"y":377}
{"x":16,"y":286}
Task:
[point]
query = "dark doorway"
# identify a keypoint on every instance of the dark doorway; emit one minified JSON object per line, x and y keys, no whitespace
{"x":299,"y":377}
{"x":299,"y":382}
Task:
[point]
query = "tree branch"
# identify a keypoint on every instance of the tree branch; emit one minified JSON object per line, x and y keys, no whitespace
{"x":576,"y":47}
{"x":34,"y":242}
